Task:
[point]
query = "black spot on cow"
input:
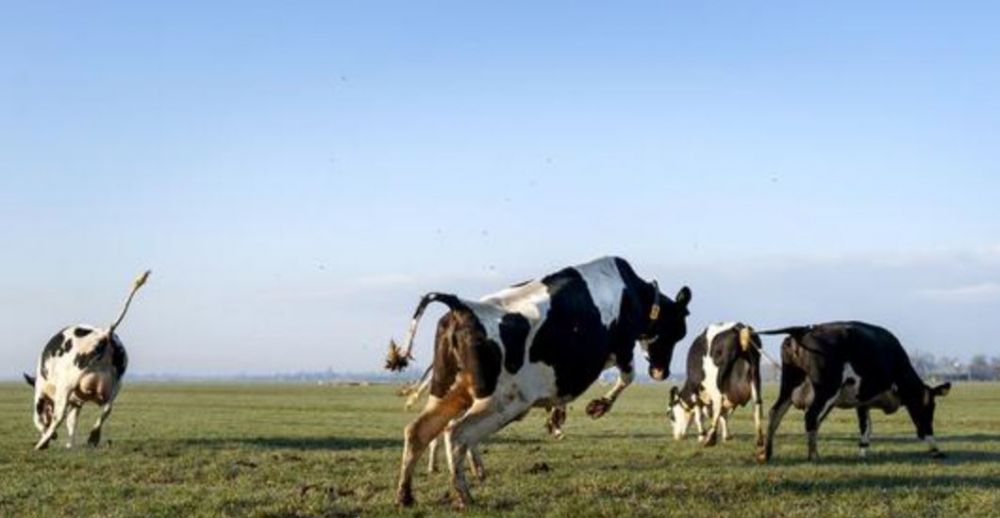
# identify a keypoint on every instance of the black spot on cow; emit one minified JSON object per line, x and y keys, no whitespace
{"x":572,"y":340}
{"x":83,"y":360}
{"x":514,"y":329}
{"x":81,"y":332}
{"x":118,"y":358}
{"x":53,"y":348}
{"x":483,"y":361}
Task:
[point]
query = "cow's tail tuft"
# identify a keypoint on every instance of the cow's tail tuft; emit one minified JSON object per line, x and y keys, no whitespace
{"x":398,"y":358}
{"x":138,"y":283}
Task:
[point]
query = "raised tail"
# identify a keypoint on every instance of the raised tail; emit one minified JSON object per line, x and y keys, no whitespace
{"x":399,"y":358}
{"x":138,"y":283}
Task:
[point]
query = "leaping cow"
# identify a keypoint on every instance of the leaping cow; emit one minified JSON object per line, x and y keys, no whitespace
{"x":540,"y":343}
{"x":723,"y":370}
{"x":850,"y":365}
{"x":80,"y":364}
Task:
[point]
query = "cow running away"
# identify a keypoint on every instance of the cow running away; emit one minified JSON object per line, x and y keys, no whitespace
{"x":541,"y":343}
{"x":849,"y":365}
{"x":723,"y":373}
{"x":80,"y":364}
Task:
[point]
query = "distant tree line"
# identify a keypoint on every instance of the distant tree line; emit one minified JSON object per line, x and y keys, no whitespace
{"x":950,"y":368}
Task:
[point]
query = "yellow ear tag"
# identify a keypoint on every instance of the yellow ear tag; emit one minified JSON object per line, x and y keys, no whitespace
{"x":745,"y":339}
{"x":655,"y":312}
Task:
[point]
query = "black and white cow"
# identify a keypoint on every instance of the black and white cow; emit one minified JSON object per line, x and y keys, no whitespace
{"x":80,"y":364}
{"x":540,"y":343}
{"x":723,"y":373}
{"x":849,"y":365}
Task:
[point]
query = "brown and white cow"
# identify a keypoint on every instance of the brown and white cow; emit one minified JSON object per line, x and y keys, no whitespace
{"x":537,"y":344}
{"x":80,"y":364}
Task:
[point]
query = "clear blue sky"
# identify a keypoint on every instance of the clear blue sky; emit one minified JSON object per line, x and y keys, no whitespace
{"x":298,"y":174}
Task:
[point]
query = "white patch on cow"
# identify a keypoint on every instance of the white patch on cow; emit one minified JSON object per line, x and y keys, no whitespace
{"x":710,"y":384}
{"x":606,"y":286}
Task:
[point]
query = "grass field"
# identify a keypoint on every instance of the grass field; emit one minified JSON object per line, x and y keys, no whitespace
{"x":304,"y":451}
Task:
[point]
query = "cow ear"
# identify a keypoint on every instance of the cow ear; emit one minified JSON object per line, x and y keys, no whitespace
{"x":684,"y":297}
{"x":30,"y":380}
{"x":941,"y":390}
{"x":673,"y":395}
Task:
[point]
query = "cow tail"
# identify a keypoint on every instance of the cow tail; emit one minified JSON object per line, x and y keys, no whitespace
{"x":398,"y":358}
{"x":138,"y":283}
{"x":795,"y":331}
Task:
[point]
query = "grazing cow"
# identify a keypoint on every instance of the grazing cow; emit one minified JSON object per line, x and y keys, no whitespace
{"x":80,"y":364}
{"x":723,"y":370}
{"x":540,"y":343}
{"x":849,"y":365}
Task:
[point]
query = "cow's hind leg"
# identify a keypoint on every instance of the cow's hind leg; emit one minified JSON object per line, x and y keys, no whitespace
{"x":432,"y":449}
{"x":419,"y":434}
{"x":58,"y":415}
{"x":865,"y":430}
{"x":484,"y":418}
{"x":95,"y":433}
{"x":790,"y":379}
{"x":823,"y":400}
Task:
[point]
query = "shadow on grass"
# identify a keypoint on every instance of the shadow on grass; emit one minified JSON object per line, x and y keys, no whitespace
{"x":886,"y":482}
{"x":297,"y":443}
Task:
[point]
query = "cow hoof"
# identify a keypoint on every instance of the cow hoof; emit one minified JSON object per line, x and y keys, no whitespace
{"x":938,"y":454}
{"x":762,"y":458}
{"x":462,"y":502}
{"x":94,"y":440}
{"x":404,"y":497}
{"x":598,"y":407}
{"x":708,"y":442}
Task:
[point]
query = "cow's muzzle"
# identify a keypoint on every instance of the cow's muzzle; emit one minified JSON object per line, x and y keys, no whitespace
{"x":658,"y":374}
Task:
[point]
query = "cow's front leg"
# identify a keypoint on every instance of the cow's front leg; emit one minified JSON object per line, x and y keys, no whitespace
{"x":599,"y":407}
{"x":699,"y":411}
{"x":95,"y":433}
{"x":758,"y":414}
{"x":713,"y":430}
{"x":432,"y":449}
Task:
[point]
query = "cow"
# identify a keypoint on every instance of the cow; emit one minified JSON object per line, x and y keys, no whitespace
{"x":554,"y":423}
{"x":80,"y":364}
{"x":723,"y":373}
{"x":540,"y":343}
{"x":849,"y":365}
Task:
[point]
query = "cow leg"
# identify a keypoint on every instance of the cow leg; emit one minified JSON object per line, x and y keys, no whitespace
{"x":698,"y":411}
{"x":758,"y":412}
{"x":713,"y":430}
{"x":486,"y":417}
{"x":419,"y":434}
{"x":724,"y":422}
{"x":822,"y":403}
{"x":58,"y":415}
{"x":790,"y":379}
{"x":599,"y":407}
{"x":71,"y":418}
{"x":476,"y":459}
{"x":865,"y":430}
{"x":432,"y":455}
{"x":557,"y":417}
{"x":95,"y":433}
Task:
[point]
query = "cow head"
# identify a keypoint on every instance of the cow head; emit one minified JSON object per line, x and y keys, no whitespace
{"x":680,"y":413}
{"x":668,"y":326}
{"x":922,"y":408}
{"x":739,"y":342}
